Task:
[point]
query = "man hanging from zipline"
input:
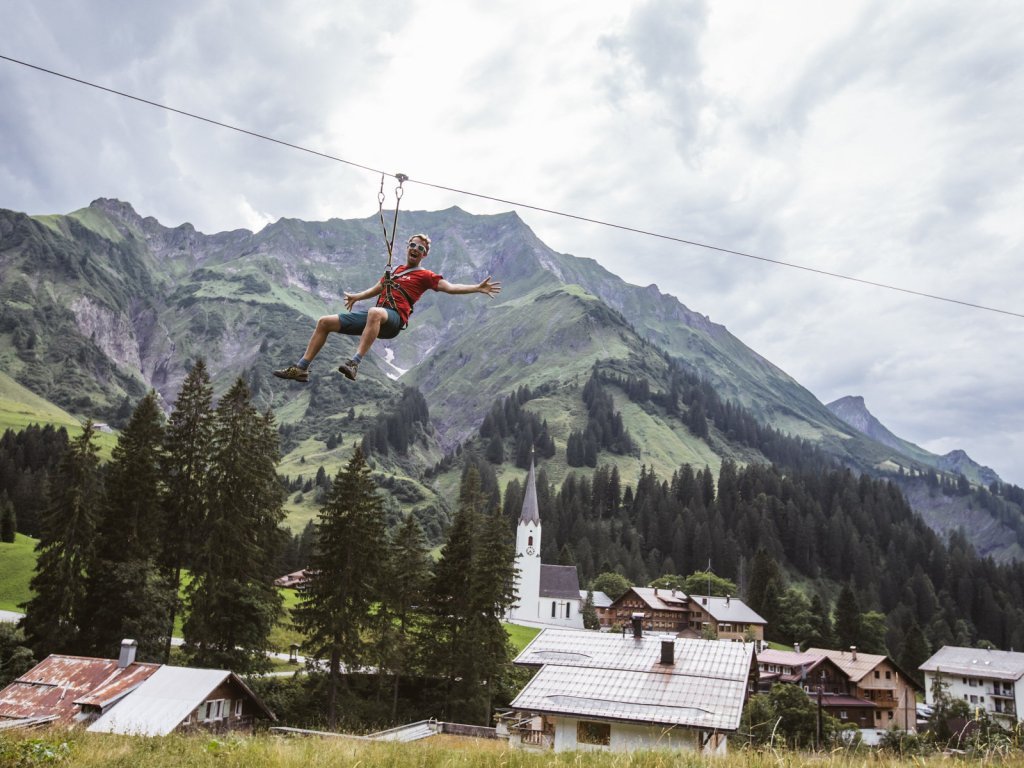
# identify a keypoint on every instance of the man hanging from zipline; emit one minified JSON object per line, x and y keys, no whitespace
{"x":397,"y":294}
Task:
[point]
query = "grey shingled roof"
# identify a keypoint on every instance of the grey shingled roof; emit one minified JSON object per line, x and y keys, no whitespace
{"x":531,"y":511}
{"x":615,"y":677}
{"x":977,"y":662}
{"x":559,"y":581}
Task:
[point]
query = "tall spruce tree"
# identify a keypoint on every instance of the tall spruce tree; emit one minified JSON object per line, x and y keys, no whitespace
{"x":65,"y":550}
{"x":471,"y":592}
{"x":127,"y":595}
{"x":493,"y":585}
{"x":847,"y":622}
{"x":186,"y":462}
{"x":232,"y":602}
{"x":8,"y":520}
{"x":403,"y":603}
{"x":446,"y":644}
{"x":338,"y":601}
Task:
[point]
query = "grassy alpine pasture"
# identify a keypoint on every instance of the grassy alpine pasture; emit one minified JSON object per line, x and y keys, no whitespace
{"x":17,"y":562}
{"x":87,"y":750}
{"x":20,"y":407}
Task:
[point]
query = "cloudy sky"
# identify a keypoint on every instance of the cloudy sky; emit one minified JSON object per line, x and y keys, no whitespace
{"x":877,"y":140}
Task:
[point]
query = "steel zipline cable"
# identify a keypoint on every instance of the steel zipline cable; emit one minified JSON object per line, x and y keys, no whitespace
{"x":514,"y":203}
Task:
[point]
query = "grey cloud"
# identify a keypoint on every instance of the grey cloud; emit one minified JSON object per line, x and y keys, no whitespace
{"x":659,"y":51}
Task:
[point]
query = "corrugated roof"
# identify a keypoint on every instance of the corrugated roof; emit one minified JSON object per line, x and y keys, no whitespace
{"x":159,"y":705}
{"x":1005,"y":665}
{"x":59,"y":684}
{"x":611,"y":650}
{"x":647,"y":697}
{"x":619,"y":677}
{"x":561,"y":581}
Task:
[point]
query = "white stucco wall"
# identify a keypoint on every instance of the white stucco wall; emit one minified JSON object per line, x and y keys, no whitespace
{"x":956,"y":688}
{"x":626,"y":737}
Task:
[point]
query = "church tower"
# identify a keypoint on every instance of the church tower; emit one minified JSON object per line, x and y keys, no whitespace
{"x":528,"y":554}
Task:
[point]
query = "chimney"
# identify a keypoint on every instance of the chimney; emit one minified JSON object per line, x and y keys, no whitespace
{"x":727,"y":598}
{"x":796,"y":647}
{"x":638,"y":621}
{"x":655,"y":591}
{"x":668,"y":652}
{"x":853,"y":652}
{"x":127,"y":656}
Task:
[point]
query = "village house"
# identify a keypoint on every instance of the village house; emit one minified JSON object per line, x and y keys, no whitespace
{"x":670,"y":610}
{"x":879,"y":680}
{"x":127,"y":696}
{"x":989,"y":680}
{"x":623,"y":691}
{"x":821,"y":678}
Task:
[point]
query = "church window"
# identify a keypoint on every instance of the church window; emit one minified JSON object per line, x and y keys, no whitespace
{"x":529,"y":541}
{"x":554,"y":609}
{"x":568,"y":609}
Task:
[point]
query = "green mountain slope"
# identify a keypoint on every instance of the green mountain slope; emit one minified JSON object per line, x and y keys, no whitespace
{"x":102,"y":304}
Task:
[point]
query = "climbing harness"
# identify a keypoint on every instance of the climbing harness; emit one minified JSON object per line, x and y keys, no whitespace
{"x":389,"y":283}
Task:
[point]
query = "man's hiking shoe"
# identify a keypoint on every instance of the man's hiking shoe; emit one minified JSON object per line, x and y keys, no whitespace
{"x":294,"y":373}
{"x":349,"y":368}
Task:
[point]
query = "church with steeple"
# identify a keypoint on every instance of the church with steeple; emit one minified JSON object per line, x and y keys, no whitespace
{"x":545,"y":594}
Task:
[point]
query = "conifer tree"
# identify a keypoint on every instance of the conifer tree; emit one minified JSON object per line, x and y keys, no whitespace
{"x":8,"y":520}
{"x":187,"y":446}
{"x":65,"y":550}
{"x":127,"y":596}
{"x":471,"y":591}
{"x":493,"y":592}
{"x":232,"y":602}
{"x":407,"y":581}
{"x":590,"y":619}
{"x":338,"y":599}
{"x":847,"y":623}
{"x":446,"y":644}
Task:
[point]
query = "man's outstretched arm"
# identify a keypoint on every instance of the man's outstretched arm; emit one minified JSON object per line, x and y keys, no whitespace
{"x":369,"y":293}
{"x":490,"y":287}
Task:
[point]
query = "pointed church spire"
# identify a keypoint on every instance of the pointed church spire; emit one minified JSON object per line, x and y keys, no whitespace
{"x":531,"y":511}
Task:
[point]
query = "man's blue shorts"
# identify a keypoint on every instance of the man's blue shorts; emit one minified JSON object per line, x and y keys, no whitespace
{"x":353,"y":323}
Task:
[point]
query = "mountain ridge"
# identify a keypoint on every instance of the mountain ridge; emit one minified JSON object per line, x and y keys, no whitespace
{"x":133,"y":303}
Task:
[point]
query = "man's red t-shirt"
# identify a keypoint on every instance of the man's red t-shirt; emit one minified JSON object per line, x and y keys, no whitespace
{"x":415,"y":283}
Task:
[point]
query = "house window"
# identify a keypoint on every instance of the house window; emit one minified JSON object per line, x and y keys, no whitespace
{"x":877,"y":676}
{"x":238,"y":707}
{"x":588,"y":732}
{"x":888,"y":675}
{"x":213,"y":709}
{"x":842,"y":714}
{"x":890,"y":715}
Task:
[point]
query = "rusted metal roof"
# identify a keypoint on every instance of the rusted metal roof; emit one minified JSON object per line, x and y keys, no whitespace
{"x":61,"y":685}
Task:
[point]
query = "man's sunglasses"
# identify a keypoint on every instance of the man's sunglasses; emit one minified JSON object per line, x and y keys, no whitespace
{"x":418,"y":247}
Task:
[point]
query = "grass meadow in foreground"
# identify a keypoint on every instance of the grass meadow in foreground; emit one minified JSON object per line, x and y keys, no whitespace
{"x":85,"y":750}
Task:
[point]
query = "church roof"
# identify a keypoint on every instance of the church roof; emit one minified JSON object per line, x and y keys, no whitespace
{"x":559,"y":581}
{"x":531,"y":512}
